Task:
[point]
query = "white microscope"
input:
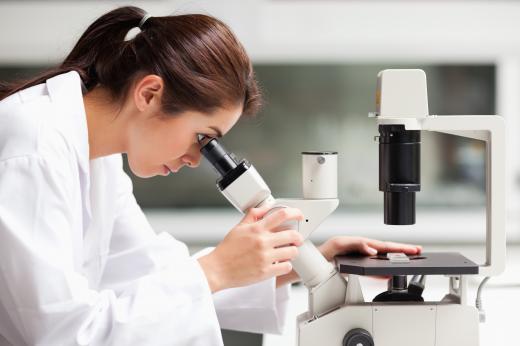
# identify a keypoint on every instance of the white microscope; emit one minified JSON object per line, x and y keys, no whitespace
{"x":337,"y":312}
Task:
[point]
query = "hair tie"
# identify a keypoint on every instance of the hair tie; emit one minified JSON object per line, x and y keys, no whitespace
{"x":145,"y":18}
{"x":133,"y":32}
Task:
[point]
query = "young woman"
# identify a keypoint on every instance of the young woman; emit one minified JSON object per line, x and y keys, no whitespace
{"x":79,"y":263}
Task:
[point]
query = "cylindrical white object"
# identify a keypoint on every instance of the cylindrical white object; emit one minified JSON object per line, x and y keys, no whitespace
{"x":291,"y":224}
{"x":320,"y":174}
{"x":311,"y":266}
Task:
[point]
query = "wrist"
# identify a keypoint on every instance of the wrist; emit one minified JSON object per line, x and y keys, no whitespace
{"x":210,"y":269}
{"x":287,"y":279}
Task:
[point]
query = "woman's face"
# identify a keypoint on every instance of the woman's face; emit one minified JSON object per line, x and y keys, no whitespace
{"x":160,"y":144}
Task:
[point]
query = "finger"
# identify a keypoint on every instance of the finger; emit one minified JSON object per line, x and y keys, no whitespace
{"x":278,"y":217}
{"x":288,"y":237}
{"x":353,"y":244}
{"x":344,"y":244}
{"x":285,"y":226}
{"x":281,"y":268}
{"x":255,"y":214}
{"x":367,"y":250}
{"x":406,"y":248}
{"x":382,"y":246}
{"x":285,"y":253}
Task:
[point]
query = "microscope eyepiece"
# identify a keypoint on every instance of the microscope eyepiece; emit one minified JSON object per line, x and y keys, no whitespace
{"x":219,"y":158}
{"x":224,"y":162}
{"x":399,"y":172}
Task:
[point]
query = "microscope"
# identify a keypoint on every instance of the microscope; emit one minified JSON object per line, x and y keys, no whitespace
{"x":337,"y":311}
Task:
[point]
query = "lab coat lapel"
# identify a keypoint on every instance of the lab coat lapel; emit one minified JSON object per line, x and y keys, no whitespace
{"x":66,"y":96}
{"x":96,"y":237}
{"x":65,"y":93}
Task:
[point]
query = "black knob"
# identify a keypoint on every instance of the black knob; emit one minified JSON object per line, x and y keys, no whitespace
{"x":358,"y":337}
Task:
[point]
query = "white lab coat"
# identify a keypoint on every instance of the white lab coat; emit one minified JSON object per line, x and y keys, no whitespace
{"x":79,"y":262}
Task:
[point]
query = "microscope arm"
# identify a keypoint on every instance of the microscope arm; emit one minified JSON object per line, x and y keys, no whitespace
{"x":327,"y":287}
{"x":244,"y":188}
{"x":489,"y":129}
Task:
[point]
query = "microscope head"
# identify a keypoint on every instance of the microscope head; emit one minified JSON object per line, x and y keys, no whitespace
{"x":401,"y":99}
{"x":238,"y":180}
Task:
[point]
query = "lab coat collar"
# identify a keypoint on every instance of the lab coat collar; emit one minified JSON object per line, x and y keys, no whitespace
{"x":65,"y":92}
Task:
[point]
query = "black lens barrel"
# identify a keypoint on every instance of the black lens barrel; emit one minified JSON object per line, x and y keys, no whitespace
{"x":399,"y":172}
{"x":219,"y":158}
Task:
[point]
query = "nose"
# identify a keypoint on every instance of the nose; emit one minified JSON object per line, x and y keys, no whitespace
{"x":191,"y":161}
{"x":192,"y":157}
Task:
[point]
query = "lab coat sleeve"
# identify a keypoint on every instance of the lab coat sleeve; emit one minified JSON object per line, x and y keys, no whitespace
{"x":158,"y":269}
{"x":257,"y":308}
{"x":51,"y":303}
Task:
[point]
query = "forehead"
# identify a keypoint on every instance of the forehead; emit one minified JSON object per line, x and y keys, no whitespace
{"x":222,"y":119}
{"x":227,"y":116}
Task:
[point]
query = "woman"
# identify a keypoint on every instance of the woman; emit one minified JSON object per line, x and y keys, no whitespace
{"x":80,"y":265}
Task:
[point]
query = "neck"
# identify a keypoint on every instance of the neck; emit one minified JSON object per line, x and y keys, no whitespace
{"x":105,"y":122}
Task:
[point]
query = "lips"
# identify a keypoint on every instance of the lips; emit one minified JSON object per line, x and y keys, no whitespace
{"x":171,"y":169}
{"x":167,"y":170}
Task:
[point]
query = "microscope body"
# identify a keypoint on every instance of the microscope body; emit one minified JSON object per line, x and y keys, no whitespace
{"x":402,"y":112}
{"x":337,"y":311}
{"x":244,"y":188}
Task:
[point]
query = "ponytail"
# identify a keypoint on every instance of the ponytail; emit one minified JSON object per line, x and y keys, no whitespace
{"x":200,"y":60}
{"x":97,"y":49}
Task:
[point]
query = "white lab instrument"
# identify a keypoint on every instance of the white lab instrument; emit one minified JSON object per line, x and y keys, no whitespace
{"x":338,"y":313}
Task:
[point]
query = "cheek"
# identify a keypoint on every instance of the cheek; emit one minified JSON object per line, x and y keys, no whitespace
{"x":148,"y":153}
{"x":144,"y":155}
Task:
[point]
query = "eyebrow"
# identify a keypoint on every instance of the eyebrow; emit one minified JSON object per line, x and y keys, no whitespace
{"x":219,"y":133}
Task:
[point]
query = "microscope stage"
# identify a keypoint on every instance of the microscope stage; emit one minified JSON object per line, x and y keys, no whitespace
{"x":428,"y":263}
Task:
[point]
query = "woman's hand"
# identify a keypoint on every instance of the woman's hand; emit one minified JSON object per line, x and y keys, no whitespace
{"x":256,"y":249}
{"x":344,"y":245}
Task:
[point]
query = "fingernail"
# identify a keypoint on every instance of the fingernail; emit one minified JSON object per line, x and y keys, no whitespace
{"x":372,"y":251}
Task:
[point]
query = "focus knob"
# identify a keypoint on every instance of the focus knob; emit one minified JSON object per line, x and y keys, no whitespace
{"x":358,"y":337}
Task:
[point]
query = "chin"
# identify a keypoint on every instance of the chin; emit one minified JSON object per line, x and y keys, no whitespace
{"x":141,"y":172}
{"x":143,"y":175}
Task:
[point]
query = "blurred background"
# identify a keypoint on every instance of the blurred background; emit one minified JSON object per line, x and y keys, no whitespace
{"x":316,"y":62}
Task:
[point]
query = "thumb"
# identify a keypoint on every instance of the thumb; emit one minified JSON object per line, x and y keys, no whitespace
{"x":255,"y":214}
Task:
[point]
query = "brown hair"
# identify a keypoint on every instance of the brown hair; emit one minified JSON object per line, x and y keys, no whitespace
{"x":203,"y":65}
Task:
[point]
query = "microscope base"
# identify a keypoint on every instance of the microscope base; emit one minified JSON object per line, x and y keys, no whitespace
{"x":425,"y":324}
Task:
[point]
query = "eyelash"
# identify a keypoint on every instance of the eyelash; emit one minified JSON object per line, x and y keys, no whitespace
{"x":201,"y":137}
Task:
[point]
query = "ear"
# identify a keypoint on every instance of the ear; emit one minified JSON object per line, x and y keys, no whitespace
{"x":148,"y":92}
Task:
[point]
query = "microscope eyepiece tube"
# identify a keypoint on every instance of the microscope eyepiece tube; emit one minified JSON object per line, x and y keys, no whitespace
{"x":219,"y":158}
{"x":239,"y":182}
{"x":399,"y":172}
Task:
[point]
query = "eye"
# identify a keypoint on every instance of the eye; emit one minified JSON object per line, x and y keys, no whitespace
{"x":201,"y":137}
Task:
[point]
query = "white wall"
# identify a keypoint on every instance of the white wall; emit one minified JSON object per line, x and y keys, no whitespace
{"x":322,"y":31}
{"x":305,"y":30}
